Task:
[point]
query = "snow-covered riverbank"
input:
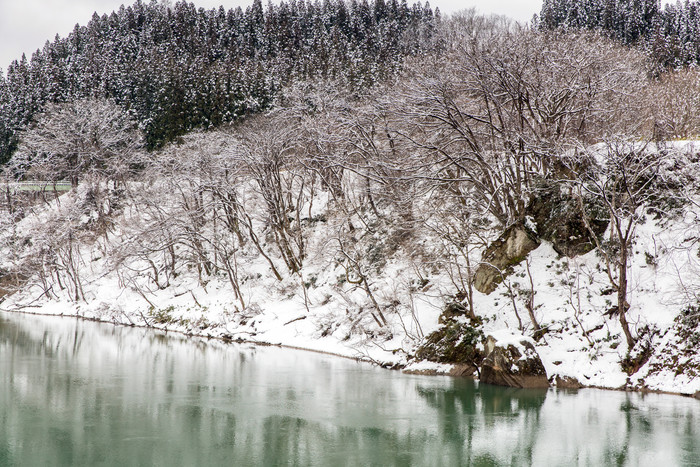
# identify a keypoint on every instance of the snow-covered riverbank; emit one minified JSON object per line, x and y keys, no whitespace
{"x":327,"y":307}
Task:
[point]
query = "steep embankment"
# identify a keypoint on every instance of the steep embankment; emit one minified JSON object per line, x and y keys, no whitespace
{"x":373,"y":292}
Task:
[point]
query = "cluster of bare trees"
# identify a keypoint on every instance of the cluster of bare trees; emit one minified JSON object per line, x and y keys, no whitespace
{"x":454,"y":151}
{"x":90,"y":139}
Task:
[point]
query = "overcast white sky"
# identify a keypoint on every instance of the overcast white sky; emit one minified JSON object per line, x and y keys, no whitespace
{"x":25,"y":25}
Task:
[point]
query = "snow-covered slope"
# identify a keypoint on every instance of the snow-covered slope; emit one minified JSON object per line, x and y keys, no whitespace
{"x":326,"y":308}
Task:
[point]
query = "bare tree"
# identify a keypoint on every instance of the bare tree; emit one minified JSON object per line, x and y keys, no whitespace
{"x":190,"y":211}
{"x":318,"y":113}
{"x":91,"y":138}
{"x":675,"y":103}
{"x":621,"y":177}
{"x":496,"y":110}
{"x":270,"y":149}
{"x":454,"y":218}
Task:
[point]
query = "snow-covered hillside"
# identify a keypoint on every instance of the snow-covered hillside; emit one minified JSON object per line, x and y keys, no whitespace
{"x":365,"y":289}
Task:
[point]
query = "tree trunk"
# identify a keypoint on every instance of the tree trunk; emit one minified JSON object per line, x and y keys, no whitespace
{"x":622,"y":297}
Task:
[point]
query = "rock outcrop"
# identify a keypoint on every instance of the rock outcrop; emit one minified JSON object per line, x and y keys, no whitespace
{"x":559,"y":220}
{"x":456,"y":343}
{"x":555,"y":217}
{"x":511,"y":360}
{"x":567,"y":382}
{"x":508,"y":250}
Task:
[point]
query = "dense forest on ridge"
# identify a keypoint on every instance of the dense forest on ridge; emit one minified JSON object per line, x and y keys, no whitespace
{"x":670,"y":35}
{"x":176,"y":67}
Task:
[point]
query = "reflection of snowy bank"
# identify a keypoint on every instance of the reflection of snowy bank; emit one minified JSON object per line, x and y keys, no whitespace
{"x":185,"y":401}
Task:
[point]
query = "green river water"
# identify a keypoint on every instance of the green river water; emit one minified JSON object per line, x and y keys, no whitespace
{"x":76,"y":393}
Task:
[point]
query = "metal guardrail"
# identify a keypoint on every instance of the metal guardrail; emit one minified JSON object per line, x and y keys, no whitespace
{"x":33,"y":186}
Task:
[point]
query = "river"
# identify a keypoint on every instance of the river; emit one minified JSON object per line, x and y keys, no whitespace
{"x":78,"y":393}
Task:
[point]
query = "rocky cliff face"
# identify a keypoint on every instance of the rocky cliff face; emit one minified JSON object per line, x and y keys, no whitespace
{"x":554,"y":217}
{"x":508,"y":250}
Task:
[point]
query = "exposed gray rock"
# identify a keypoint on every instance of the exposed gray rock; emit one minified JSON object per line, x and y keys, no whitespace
{"x":508,"y":250}
{"x":513,"y":362}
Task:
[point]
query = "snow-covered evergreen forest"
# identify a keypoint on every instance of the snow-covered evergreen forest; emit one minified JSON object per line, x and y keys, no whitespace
{"x":669,"y":34}
{"x":369,"y":179}
{"x":176,"y":67}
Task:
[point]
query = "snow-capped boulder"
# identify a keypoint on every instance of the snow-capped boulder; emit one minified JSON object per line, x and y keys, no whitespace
{"x":567,"y":382}
{"x":511,"y":360}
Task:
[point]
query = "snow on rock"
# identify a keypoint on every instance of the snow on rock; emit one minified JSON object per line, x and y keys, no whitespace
{"x":512,"y":360}
{"x":425,"y":367}
{"x":508,"y":337}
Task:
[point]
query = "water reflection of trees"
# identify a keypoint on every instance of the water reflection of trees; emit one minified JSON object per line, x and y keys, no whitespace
{"x":467,"y":411}
{"x":174,"y":402}
{"x":295,"y":441}
{"x":15,"y":338}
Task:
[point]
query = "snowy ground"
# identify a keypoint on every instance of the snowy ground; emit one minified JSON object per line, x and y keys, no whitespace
{"x":571,"y":295}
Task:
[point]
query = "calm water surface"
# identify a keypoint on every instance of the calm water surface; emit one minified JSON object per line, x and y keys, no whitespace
{"x":76,"y":393}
